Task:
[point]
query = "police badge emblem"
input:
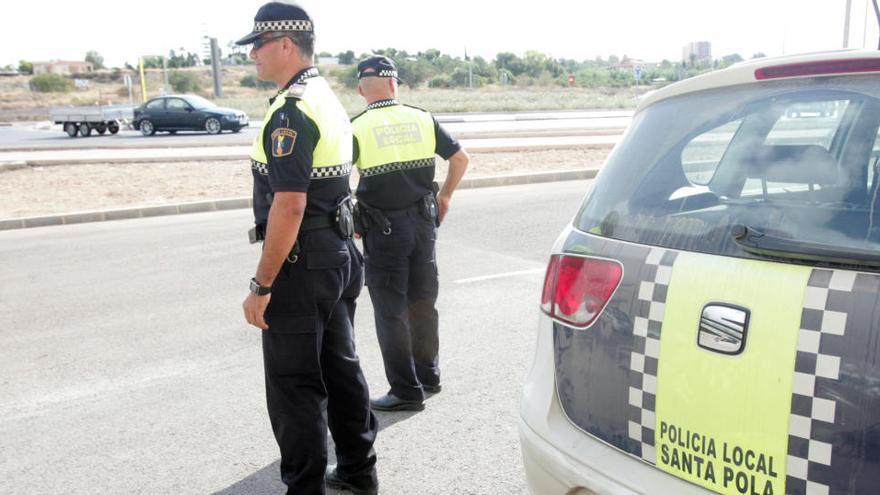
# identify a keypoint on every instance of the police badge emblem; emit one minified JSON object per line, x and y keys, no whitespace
{"x":282,"y":142}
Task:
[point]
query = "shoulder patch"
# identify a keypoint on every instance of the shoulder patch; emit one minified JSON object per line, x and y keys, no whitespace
{"x":296,"y":91}
{"x":282,"y":141}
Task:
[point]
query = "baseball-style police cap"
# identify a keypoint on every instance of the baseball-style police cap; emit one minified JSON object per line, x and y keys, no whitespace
{"x":278,"y":16}
{"x":377,"y":66}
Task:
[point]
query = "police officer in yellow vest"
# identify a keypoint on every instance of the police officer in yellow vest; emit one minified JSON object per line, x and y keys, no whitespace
{"x":310,"y":272}
{"x":399,"y":211}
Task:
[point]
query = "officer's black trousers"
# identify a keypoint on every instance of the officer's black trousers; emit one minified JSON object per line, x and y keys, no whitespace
{"x":401,"y":274}
{"x":313,"y":375}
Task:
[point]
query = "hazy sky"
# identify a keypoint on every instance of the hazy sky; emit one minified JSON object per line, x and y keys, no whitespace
{"x":649,"y":30}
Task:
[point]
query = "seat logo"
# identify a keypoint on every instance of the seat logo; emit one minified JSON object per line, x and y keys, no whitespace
{"x":723,"y":328}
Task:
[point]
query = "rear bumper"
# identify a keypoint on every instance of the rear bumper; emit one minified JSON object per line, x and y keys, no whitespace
{"x":560,"y":458}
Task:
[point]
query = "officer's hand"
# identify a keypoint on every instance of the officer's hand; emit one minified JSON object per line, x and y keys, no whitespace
{"x":254,"y":308}
{"x":356,"y":235}
{"x":443,"y":204}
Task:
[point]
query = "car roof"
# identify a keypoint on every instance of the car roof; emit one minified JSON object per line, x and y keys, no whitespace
{"x":748,"y":72}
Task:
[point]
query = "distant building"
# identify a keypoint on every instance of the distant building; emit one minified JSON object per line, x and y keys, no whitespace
{"x":696,"y":52}
{"x":64,"y":68}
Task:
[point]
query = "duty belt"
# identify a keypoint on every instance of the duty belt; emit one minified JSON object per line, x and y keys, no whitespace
{"x":367,"y":216}
{"x":312,"y":222}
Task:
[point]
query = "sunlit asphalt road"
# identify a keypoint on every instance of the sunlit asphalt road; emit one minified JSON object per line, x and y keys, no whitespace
{"x":126,"y":366}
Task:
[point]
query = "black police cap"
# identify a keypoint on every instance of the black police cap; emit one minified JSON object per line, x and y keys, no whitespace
{"x":278,"y":16}
{"x":381,"y":67}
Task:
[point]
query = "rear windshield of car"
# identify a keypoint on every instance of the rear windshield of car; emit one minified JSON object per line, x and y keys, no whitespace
{"x":199,"y":103}
{"x":785,"y":170}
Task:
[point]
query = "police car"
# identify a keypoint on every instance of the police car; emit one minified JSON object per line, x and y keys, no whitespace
{"x":710,"y":321}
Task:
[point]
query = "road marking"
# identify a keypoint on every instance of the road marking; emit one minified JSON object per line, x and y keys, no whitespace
{"x":499,"y":275}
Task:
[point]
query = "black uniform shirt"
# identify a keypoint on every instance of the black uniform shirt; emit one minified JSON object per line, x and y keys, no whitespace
{"x":400,"y":189}
{"x":290,"y":170}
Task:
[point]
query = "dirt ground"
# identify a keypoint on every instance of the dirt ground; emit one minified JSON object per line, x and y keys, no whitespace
{"x":36,"y":191}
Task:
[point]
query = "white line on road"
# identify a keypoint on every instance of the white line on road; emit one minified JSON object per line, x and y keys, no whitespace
{"x":499,"y":275}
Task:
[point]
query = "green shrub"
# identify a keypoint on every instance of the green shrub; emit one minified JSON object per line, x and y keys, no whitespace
{"x":251,"y":81}
{"x":51,"y":83}
{"x":184,"y":82}
{"x":441,"y":81}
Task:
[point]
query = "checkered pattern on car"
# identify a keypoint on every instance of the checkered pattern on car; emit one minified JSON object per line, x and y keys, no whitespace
{"x":646,"y":350}
{"x":292,"y":25}
{"x":342,"y":170}
{"x":398,"y":166}
{"x":827,"y":301}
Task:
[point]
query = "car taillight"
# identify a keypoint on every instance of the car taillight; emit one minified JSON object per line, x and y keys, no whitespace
{"x":576,"y":288}
{"x":820,"y":68}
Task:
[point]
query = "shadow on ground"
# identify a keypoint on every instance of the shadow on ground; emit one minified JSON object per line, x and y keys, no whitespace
{"x":267,"y":481}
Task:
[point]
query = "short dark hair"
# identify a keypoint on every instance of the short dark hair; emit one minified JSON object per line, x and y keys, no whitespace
{"x":304,"y":40}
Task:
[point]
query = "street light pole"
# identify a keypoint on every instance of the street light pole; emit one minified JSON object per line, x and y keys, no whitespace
{"x":846,"y":24}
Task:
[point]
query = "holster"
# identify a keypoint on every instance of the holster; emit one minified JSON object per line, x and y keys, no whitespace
{"x":429,"y":208}
{"x":344,"y":218}
{"x":368,"y":218}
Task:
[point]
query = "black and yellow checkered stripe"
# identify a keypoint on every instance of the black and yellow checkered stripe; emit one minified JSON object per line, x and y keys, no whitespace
{"x":397,"y":167}
{"x":341,"y":170}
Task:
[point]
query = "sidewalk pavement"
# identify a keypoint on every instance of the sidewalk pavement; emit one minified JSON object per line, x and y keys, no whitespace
{"x":240,"y":203}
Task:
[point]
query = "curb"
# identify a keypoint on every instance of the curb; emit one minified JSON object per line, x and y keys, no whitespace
{"x":51,"y":162}
{"x":241,"y":203}
{"x":111,"y":146}
{"x":4,"y":166}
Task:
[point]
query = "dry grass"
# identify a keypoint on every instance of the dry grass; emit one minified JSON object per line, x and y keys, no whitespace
{"x":18,"y":102}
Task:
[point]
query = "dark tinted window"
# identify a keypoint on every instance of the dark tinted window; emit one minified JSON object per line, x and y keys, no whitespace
{"x":176,"y":105}
{"x":157,"y":104}
{"x":794,"y":161}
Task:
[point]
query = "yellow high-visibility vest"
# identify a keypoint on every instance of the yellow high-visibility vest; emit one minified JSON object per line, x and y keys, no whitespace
{"x":395,"y":137}
{"x":332,"y":154}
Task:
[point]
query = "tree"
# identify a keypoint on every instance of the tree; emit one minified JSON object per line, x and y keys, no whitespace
{"x":413,"y":71}
{"x":181,"y":59}
{"x":25,"y":67}
{"x":759,"y":55}
{"x":96,"y":59}
{"x":510,"y":62}
{"x":346,"y":58}
{"x":728,"y":60}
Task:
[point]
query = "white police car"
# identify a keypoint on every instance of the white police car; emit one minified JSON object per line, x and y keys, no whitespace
{"x":710,"y":322}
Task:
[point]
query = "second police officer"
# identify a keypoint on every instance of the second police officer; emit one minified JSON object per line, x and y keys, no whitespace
{"x":398,"y":212}
{"x":309,"y":274}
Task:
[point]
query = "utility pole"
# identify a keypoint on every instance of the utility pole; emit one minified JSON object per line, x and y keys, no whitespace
{"x":846,"y":24}
{"x":215,"y":65}
{"x":165,"y":72}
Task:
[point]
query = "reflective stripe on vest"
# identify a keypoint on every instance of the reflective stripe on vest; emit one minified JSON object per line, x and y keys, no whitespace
{"x":332,"y":154}
{"x":394,"y":138}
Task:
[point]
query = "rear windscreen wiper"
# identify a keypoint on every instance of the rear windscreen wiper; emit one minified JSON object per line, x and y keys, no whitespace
{"x":757,"y":242}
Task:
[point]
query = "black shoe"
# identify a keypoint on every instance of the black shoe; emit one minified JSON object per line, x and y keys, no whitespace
{"x":391,"y":402}
{"x":333,"y":480}
{"x":432,"y":389}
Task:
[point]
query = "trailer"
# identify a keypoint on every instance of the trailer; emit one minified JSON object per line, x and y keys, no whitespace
{"x":80,"y":121}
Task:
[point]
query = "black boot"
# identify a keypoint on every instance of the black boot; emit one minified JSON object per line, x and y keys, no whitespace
{"x":363,"y":485}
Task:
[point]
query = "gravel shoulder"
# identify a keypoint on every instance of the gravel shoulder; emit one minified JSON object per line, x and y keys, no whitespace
{"x":37,"y":191}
